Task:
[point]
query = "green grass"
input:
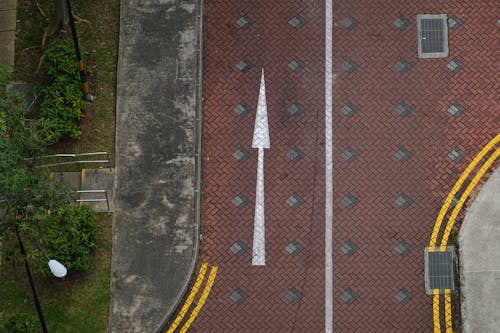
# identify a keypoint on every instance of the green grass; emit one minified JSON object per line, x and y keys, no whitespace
{"x":79,"y":303}
{"x":99,"y":40}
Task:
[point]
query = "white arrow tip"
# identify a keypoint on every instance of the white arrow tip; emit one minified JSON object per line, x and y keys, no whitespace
{"x":261,"y":128}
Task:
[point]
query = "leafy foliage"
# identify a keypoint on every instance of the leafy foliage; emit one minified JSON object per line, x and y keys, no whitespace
{"x":63,"y":105}
{"x":22,"y":184}
{"x":69,"y":235}
{"x":27,"y":193}
{"x":30,"y":199}
{"x":60,"y":61}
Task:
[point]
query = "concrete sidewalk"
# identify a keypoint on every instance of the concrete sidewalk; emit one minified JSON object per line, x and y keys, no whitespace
{"x":7,"y":31}
{"x":480,"y":260}
{"x":155,"y":228}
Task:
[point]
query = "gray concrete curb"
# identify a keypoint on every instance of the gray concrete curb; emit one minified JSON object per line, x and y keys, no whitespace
{"x":156,"y":223}
{"x":197,"y":207}
{"x":480,"y":260}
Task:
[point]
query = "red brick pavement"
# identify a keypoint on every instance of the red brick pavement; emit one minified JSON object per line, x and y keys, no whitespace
{"x":271,"y":43}
{"x":376,"y":178}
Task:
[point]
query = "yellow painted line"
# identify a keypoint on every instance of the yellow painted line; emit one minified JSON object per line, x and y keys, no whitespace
{"x":82,"y":182}
{"x":464,"y":196}
{"x":189,"y":300}
{"x":435,"y":310}
{"x":447,"y":310}
{"x":201,"y":301}
{"x":463,"y":177}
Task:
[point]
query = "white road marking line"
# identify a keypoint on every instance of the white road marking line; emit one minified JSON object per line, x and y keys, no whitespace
{"x":260,"y":141}
{"x":328,"y":168}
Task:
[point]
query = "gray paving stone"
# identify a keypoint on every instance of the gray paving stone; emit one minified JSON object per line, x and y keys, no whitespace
{"x":295,"y":154}
{"x":24,"y":88}
{"x":240,"y":201}
{"x":403,"y":249}
{"x":456,"y":154}
{"x":403,"y":201}
{"x":349,"y":66}
{"x":242,"y":109}
{"x":7,"y":47}
{"x":8,"y":4}
{"x":403,"y":296}
{"x":7,"y":20}
{"x":349,"y":248}
{"x":454,"y":22}
{"x":296,"y":65}
{"x":349,"y":296}
{"x":455,"y":65}
{"x":238,"y":248}
{"x":244,"y":65}
{"x":403,"y":109}
{"x":238,"y":296}
{"x":402,"y":154}
{"x":70,"y":179}
{"x":349,"y":154}
{"x":241,"y":154}
{"x":349,"y":23}
{"x":244,"y":22}
{"x":295,"y":201}
{"x":293,"y":296}
{"x":99,"y":179}
{"x":456,"y":110}
{"x":296,"y":109}
{"x":293,"y":248}
{"x":349,"y":109}
{"x":349,"y":201}
{"x":402,"y":66}
{"x":297,"y":21}
{"x":401,"y":23}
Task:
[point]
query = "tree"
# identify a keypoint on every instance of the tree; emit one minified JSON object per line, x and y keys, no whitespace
{"x":29,"y":199}
{"x":27,"y":193}
{"x":62,"y":13}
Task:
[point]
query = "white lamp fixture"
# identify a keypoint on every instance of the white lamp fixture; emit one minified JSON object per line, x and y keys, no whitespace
{"x":57,"y":268}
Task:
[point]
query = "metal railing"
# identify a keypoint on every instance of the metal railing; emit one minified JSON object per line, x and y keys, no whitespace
{"x":81,"y":200}
{"x":74,"y":156}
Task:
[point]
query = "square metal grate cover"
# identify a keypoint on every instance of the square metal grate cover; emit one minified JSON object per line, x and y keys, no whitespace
{"x":432,"y":36}
{"x":439,"y":270}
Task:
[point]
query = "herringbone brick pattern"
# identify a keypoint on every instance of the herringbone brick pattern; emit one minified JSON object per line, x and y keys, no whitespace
{"x":270,"y":42}
{"x":376,"y":178}
{"x":376,"y":224}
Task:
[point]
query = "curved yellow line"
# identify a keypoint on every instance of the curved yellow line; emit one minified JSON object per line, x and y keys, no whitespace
{"x":463,"y":177}
{"x":464,"y":196}
{"x":435,"y":310}
{"x":201,"y":301}
{"x":447,"y":310}
{"x":439,"y":220}
{"x":189,"y":300}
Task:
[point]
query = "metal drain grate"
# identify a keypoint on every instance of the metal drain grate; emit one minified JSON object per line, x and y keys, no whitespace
{"x":439,"y":270}
{"x":432,"y":36}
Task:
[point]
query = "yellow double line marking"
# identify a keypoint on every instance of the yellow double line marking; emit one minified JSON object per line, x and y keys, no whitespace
{"x":449,"y":225}
{"x":192,"y":294}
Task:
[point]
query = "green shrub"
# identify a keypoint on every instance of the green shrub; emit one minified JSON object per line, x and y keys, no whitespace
{"x":21,"y":323}
{"x":60,"y":61}
{"x":68,"y":235}
{"x":63,"y":105}
{"x":61,"y":110}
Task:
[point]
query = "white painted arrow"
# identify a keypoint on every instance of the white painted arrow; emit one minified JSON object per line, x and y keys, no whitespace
{"x":261,"y":142}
